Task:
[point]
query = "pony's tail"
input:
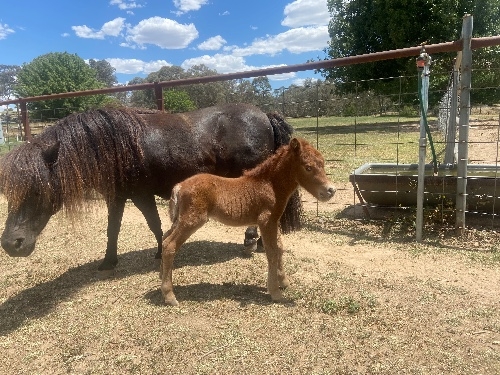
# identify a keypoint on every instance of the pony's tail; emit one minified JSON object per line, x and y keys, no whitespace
{"x":291,"y":220}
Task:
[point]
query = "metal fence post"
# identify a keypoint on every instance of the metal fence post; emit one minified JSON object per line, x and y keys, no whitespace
{"x":25,"y":120}
{"x":463,"y":125}
{"x":423,"y":68}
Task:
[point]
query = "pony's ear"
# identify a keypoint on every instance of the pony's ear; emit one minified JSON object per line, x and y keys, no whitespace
{"x":295,"y":144}
{"x":50,"y":153}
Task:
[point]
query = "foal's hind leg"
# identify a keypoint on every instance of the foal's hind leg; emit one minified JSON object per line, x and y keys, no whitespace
{"x":174,"y":238}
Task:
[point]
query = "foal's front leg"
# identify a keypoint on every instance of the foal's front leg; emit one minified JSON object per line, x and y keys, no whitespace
{"x":273,"y":246}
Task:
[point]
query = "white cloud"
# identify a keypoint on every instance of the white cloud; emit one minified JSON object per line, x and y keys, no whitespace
{"x":111,"y":28}
{"x":162,"y":32}
{"x":134,"y":66}
{"x":5,"y":30}
{"x":306,"y":13}
{"x":185,"y":6}
{"x":302,"y":81}
{"x":231,"y":64}
{"x":125,"y":4}
{"x":299,"y":40}
{"x":212,"y":44}
{"x":220,"y":62}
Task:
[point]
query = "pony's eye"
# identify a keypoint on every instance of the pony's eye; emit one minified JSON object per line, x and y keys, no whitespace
{"x":308,"y":168}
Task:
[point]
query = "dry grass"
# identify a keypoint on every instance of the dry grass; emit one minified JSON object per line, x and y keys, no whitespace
{"x":363,"y":300}
{"x":364,"y":297}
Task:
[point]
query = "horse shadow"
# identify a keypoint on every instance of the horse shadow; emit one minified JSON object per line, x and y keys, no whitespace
{"x":245,"y":294}
{"x":39,"y":300}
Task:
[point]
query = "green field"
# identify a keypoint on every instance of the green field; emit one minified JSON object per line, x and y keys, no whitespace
{"x":348,"y":142}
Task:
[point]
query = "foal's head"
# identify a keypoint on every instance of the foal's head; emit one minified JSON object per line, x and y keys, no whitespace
{"x":310,"y":170}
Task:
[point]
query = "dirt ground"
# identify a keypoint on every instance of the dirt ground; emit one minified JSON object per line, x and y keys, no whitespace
{"x":365,"y":298}
{"x":361,"y":301}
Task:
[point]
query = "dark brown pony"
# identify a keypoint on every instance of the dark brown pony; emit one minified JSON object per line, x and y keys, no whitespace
{"x":258,"y":198}
{"x":128,"y":154}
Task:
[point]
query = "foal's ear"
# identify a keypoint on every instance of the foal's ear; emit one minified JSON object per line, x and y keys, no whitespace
{"x":295,"y":144}
{"x":50,"y":153}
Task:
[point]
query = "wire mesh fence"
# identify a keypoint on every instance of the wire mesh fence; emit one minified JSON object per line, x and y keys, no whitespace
{"x":364,"y":129}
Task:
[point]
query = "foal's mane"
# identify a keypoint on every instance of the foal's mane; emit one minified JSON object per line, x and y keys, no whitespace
{"x":271,"y":164}
{"x":99,"y":150}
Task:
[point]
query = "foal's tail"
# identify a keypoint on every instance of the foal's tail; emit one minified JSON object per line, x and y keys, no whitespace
{"x":173,"y":204}
{"x":291,"y":220}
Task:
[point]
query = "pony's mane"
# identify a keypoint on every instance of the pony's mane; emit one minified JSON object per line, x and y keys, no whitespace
{"x":99,"y":150}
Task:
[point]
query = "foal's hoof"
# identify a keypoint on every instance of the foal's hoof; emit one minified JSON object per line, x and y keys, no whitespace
{"x":277,"y":297}
{"x":171,"y":302}
{"x":158,"y":254}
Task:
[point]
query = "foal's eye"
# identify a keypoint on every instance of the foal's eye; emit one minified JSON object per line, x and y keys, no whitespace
{"x":308,"y":168}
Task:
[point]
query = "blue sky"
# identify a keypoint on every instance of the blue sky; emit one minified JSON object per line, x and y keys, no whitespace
{"x":138,"y":37}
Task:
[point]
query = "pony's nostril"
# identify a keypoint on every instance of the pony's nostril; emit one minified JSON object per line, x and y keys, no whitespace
{"x":18,"y":243}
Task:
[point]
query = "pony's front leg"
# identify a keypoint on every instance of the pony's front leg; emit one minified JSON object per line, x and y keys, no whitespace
{"x":276,"y":277}
{"x":115,"y":214}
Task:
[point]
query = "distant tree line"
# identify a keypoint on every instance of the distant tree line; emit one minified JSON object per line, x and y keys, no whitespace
{"x":356,"y":27}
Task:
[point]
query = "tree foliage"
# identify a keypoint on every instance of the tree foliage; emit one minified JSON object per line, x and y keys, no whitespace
{"x":201,"y":95}
{"x":177,"y":101}
{"x":8,"y":76}
{"x":58,"y":73}
{"x":367,"y":26}
{"x":105,"y":73}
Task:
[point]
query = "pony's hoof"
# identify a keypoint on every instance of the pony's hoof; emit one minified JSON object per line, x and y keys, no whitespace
{"x":260,"y":246}
{"x":158,"y":255}
{"x":250,"y":246}
{"x":106,"y":274}
{"x":107,"y":265}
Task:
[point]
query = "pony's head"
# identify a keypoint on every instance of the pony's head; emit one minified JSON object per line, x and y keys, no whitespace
{"x":27,"y":181}
{"x":310,"y":170}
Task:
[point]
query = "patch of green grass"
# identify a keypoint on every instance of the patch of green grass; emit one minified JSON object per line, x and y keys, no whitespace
{"x":345,"y":303}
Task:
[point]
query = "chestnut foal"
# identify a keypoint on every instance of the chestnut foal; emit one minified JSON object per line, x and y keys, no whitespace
{"x":256,"y":198}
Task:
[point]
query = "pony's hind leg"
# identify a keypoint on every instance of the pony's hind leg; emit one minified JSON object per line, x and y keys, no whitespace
{"x":147,"y":205}
{"x":251,"y":238}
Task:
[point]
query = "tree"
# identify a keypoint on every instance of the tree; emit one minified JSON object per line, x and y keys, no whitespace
{"x":262,"y":90}
{"x":105,"y":72}
{"x":8,"y":74}
{"x":57,"y":73}
{"x":366,"y":26}
{"x":177,"y":101}
{"x":206,"y":94}
{"x":138,"y":98}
